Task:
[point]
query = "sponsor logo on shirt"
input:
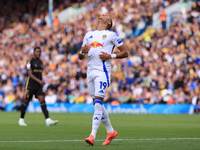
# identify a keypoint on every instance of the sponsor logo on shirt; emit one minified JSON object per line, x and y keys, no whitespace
{"x":96,"y":44}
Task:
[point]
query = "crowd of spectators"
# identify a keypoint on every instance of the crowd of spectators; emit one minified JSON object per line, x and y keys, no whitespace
{"x":163,"y":69}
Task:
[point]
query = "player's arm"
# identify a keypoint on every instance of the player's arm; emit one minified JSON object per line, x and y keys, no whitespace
{"x":30,"y":74}
{"x":122,"y":54}
{"x":85,"y":49}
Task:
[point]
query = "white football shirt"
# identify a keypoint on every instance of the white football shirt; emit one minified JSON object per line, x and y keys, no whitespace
{"x":104,"y":41}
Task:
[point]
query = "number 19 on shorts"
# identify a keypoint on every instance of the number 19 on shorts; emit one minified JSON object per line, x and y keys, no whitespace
{"x":102,"y":85}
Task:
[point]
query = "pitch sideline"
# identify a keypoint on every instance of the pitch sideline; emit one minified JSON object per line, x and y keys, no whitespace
{"x":46,"y":141}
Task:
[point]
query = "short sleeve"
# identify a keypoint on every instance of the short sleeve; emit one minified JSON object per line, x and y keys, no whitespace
{"x":85,"y":40}
{"x":117,"y":41}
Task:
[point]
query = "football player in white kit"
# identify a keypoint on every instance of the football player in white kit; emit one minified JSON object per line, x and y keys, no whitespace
{"x":99,"y":45}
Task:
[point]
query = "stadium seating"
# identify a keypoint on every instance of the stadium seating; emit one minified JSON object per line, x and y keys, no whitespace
{"x":159,"y":60}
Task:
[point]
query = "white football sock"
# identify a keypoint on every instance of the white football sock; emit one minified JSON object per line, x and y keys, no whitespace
{"x":96,"y":118}
{"x":21,"y":119}
{"x":106,"y":121}
{"x":48,"y":119}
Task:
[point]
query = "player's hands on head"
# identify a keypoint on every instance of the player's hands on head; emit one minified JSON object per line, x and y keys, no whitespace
{"x":86,"y":48}
{"x":42,"y":82}
{"x":104,"y":56}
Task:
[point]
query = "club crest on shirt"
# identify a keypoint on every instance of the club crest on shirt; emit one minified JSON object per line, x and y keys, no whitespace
{"x":104,"y":36}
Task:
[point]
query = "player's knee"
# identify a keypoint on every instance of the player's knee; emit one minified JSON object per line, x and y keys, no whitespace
{"x":26,"y":101}
{"x":43,"y":103}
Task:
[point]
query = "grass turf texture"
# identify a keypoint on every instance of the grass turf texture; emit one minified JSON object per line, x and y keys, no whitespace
{"x":146,"y":132}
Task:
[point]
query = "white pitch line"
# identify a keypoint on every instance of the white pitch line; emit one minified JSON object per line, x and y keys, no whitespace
{"x":46,"y":141}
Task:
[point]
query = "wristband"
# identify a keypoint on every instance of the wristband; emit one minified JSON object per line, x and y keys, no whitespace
{"x":82,"y":53}
{"x":113,"y":56}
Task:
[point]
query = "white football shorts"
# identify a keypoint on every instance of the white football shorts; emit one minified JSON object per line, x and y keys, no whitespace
{"x":98,"y":82}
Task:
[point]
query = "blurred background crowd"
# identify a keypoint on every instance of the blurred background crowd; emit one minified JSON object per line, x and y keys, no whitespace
{"x":165,"y":68}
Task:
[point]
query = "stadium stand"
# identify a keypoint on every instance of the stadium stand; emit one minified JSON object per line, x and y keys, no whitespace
{"x":162,"y":68}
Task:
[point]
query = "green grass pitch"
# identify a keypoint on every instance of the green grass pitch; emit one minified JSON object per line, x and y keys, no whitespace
{"x":136,"y":132}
